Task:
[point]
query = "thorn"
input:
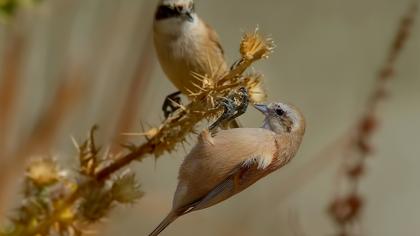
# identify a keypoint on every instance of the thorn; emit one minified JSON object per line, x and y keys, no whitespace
{"x":193,"y":132}
{"x":106,"y":153}
{"x":143,"y":129}
{"x":187,"y":142}
{"x":199,"y":77}
{"x":198,"y":86}
{"x":149,"y":125}
{"x":209,"y":63}
{"x":190,"y":92}
{"x":183,"y":146}
{"x":177,"y":104}
{"x":213,"y":104}
{"x":76,"y":145}
{"x":135,"y":134}
{"x":90,"y":232}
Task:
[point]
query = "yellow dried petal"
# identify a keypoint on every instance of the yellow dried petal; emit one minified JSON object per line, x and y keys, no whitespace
{"x":67,"y":215}
{"x":43,"y":172}
{"x":256,"y":89}
{"x":255,"y":47}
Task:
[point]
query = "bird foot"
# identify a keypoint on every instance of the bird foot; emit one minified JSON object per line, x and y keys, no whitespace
{"x":171,"y":104}
{"x":232,"y":110}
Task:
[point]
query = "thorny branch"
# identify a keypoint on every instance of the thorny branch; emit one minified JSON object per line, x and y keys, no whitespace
{"x":346,"y":209}
{"x":68,"y":204}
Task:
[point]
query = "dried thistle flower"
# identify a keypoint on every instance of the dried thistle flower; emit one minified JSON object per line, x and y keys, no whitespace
{"x":99,"y":198}
{"x":43,"y":172}
{"x":96,"y":203}
{"x":256,"y":90}
{"x":126,"y":189}
{"x":254,"y":46}
{"x":88,"y":154}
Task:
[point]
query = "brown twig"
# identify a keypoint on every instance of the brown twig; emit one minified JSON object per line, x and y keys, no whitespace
{"x":346,"y":208}
{"x":8,"y":98}
{"x":10,"y":84}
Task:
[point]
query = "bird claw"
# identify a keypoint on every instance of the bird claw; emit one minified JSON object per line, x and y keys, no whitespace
{"x":243,"y":106}
{"x":231,"y":109}
{"x":171,"y":104}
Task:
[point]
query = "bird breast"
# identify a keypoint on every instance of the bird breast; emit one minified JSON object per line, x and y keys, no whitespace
{"x":210,"y":163}
{"x":186,"y":52}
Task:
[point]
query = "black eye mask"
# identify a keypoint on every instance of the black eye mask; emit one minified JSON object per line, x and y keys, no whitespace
{"x":166,"y":12}
{"x":280,"y":112}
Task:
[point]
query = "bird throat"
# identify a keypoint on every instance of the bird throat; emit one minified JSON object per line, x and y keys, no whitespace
{"x":278,"y":126}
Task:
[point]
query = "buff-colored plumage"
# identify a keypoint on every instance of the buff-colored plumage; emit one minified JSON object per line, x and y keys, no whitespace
{"x":221,"y":166}
{"x":185,"y":47}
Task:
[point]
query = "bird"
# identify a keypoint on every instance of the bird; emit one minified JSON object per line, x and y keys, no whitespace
{"x":185,"y":45}
{"x":223,"y":164}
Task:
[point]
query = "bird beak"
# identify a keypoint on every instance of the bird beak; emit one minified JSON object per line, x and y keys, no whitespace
{"x":262,"y":108}
{"x":189,"y":16}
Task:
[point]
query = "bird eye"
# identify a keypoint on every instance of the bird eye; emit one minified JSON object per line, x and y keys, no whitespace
{"x":280,"y":112}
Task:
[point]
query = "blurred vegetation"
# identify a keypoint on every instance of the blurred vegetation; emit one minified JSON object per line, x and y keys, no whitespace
{"x":46,"y":208}
{"x":346,"y":208}
{"x":9,"y":7}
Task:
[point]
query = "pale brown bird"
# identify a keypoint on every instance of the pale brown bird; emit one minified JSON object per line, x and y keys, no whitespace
{"x":185,"y":44}
{"x":221,"y":166}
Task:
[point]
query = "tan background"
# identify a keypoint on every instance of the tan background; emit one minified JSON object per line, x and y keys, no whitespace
{"x":328,"y":53}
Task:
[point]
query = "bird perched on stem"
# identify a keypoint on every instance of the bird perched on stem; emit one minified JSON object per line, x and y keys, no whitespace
{"x":185,"y":45}
{"x":223,"y":165}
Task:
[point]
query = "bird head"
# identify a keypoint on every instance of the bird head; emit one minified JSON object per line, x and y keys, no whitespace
{"x":282,"y":118}
{"x":175,"y":9}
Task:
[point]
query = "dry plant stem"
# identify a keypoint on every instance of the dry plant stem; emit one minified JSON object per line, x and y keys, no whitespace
{"x":9,"y":86}
{"x":141,"y":152}
{"x":346,"y":209}
{"x":178,"y":126}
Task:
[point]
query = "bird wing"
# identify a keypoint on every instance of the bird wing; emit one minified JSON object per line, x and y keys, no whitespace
{"x":244,"y":175}
{"x":217,"y":159}
{"x":214,"y":63}
{"x":214,"y":37}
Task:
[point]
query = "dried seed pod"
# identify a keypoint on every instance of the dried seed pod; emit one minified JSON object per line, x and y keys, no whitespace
{"x":126,"y":189}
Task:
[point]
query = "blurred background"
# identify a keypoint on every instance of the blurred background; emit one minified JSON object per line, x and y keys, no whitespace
{"x":69,"y":64}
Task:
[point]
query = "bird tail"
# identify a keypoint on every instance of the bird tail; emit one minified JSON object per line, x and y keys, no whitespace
{"x":172,"y":216}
